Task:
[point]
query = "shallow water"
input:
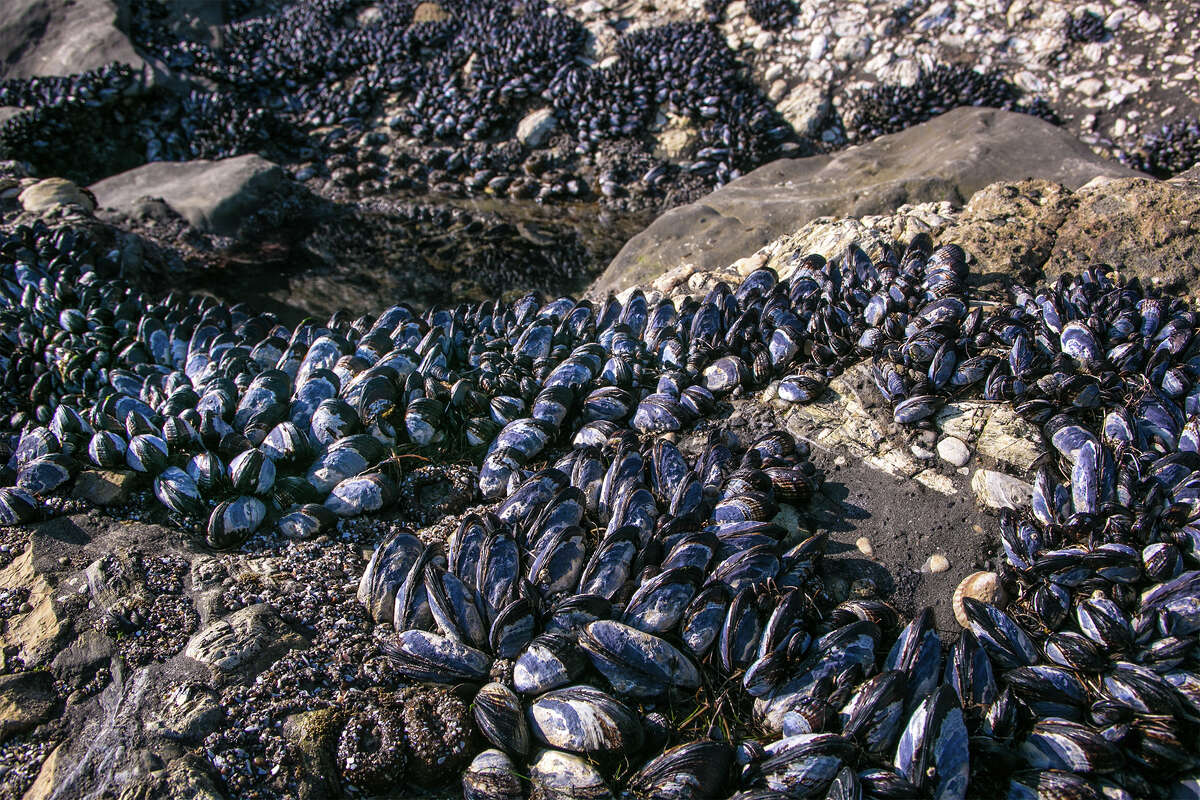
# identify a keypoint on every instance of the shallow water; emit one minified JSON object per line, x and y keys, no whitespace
{"x":385,"y":252}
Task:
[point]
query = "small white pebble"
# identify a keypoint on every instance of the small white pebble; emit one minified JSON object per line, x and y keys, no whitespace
{"x":954,"y":451}
{"x":936,"y":563}
{"x":864,"y":546}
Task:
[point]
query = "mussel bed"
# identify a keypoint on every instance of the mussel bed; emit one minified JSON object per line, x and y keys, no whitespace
{"x":626,"y":614}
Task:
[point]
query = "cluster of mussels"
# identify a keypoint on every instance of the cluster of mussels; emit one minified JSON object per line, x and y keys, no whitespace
{"x":1172,"y":149}
{"x":890,"y":107}
{"x":618,"y":598}
{"x":459,"y":76}
{"x":74,"y":124}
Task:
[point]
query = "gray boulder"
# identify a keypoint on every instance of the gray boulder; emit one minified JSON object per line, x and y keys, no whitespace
{"x":948,"y":158}
{"x":61,"y":37}
{"x":213,"y":196}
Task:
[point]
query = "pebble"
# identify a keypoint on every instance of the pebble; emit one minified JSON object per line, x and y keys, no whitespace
{"x":921,"y":452}
{"x":954,"y":451}
{"x":983,"y":586}
{"x":936,"y":563}
{"x":864,"y":546}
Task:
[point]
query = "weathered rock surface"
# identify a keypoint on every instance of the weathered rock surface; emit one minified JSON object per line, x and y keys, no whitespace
{"x":61,"y":37}
{"x":26,"y":699}
{"x":104,"y":487}
{"x":949,"y":158}
{"x":54,"y":192}
{"x":213,"y":196}
{"x":243,"y":639}
{"x":1140,"y":226}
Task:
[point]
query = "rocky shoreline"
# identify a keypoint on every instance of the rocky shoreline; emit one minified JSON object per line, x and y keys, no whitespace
{"x":154,"y":643}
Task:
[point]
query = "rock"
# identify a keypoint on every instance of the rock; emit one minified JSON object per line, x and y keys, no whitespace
{"x":316,"y":734}
{"x":213,"y":196}
{"x":27,"y":699}
{"x":429,"y":12}
{"x":76,"y":664}
{"x":678,"y":138}
{"x":1010,"y":440}
{"x":1008,"y":227}
{"x":998,"y":490}
{"x":191,"y":712}
{"x":535,"y":128}
{"x":827,"y":237}
{"x":948,"y":158}
{"x":982,"y":586}
{"x":806,"y":108}
{"x":864,"y":546}
{"x":104,"y":487}
{"x":61,"y":37}
{"x":243,"y":639}
{"x":1140,"y":226}
{"x":36,"y":633}
{"x":953,"y":451}
{"x":49,"y":194}
{"x":48,"y":777}
{"x":935,"y":564}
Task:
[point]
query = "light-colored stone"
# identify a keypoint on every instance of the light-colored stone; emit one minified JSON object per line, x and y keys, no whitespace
{"x":962,"y":420}
{"x":953,"y":451}
{"x":104,"y":487}
{"x":26,"y":700}
{"x":864,"y":546}
{"x":536,"y":126}
{"x":35,"y":633}
{"x":932,"y":479}
{"x":429,"y":12}
{"x":1010,"y":440}
{"x":674,"y":277}
{"x":935,"y":564}
{"x":44,"y":785}
{"x":677,"y":138}
{"x":998,"y":490}
{"x":806,"y":108}
{"x":744,"y":266}
{"x":49,"y":194}
{"x":52,"y":37}
{"x":982,"y":586}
